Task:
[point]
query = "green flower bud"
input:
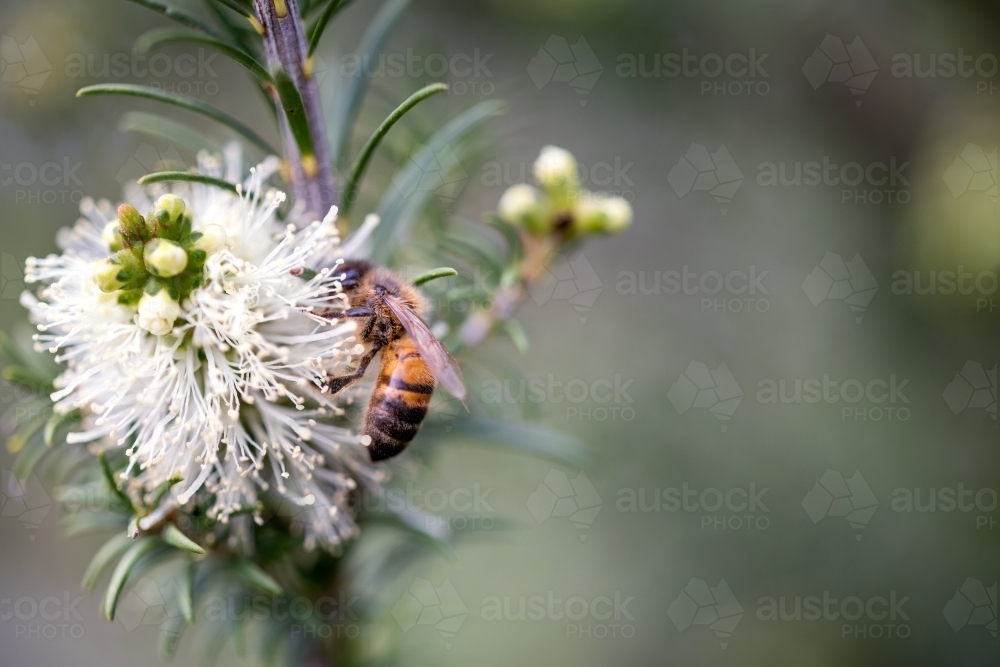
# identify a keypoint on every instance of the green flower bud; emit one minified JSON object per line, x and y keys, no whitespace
{"x":522,"y":206}
{"x":164,"y":258}
{"x":132,"y":226}
{"x":122,"y":269}
{"x":157,"y":312}
{"x":106,"y":275}
{"x":112,"y":236}
{"x":166,"y":217}
{"x":555,"y":169}
{"x":212,"y":239}
{"x":600,"y":214}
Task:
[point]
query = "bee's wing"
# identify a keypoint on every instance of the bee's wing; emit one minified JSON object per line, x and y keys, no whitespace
{"x":441,"y":363}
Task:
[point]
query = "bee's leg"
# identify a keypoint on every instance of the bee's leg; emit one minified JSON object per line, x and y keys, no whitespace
{"x":350,"y":312}
{"x":335,"y":383}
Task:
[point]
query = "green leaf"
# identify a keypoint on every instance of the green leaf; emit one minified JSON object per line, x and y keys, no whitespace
{"x":162,"y":491}
{"x":522,"y":438}
{"x":109,"y":477}
{"x":140,"y":548}
{"x":295,"y":113}
{"x":434,"y":274}
{"x":189,"y":103}
{"x":402,"y":203}
{"x":169,"y":130}
{"x":91,"y":522}
{"x":187,"y":177}
{"x":368,"y":50}
{"x":176,"y":14}
{"x":517,"y":334}
{"x":185,"y":592}
{"x":31,"y":453}
{"x":111,"y":549}
{"x":59,"y":419}
{"x":173,"y":536}
{"x":159,"y":36}
{"x":317,"y":28}
{"x":251,"y":573}
{"x":170,"y":636}
{"x":350,"y":190}
{"x":510,"y":235}
{"x":241,"y":8}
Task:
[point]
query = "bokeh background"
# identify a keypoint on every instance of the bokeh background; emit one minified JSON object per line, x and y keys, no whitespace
{"x":684,"y":389}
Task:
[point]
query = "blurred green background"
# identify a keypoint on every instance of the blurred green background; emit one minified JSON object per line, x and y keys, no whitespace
{"x":668,"y":379}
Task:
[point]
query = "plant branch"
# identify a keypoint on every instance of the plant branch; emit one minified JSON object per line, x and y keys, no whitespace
{"x":287,"y":49}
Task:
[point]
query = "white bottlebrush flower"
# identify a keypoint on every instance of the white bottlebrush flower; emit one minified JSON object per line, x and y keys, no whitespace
{"x":218,"y":388}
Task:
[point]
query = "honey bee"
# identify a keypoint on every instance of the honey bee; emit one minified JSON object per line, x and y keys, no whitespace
{"x":389,"y":311}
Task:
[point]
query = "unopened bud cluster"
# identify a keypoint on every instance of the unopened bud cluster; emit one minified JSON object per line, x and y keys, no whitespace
{"x":561,"y":206}
{"x":156,"y":260}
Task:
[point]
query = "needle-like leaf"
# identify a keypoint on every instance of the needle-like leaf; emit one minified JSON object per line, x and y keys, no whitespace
{"x":357,"y":171}
{"x":159,"y":36}
{"x":186,"y":177}
{"x":189,"y":103}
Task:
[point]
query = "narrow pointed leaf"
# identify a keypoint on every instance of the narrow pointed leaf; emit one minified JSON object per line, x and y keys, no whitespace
{"x":358,"y":170}
{"x":256,"y":577}
{"x":161,"y":127}
{"x":368,"y":50}
{"x":405,"y":199}
{"x":517,"y":334}
{"x":92,"y":522}
{"x":170,"y":636}
{"x":187,"y":177}
{"x":154,"y":38}
{"x":434,"y":274}
{"x":176,"y":14}
{"x":31,"y":453}
{"x":295,"y":112}
{"x":118,"y":578}
{"x":189,"y":103}
{"x":185,"y":592}
{"x":173,"y":536}
{"x":241,"y":8}
{"x":109,"y":477}
{"x":111,"y":549}
{"x":317,"y":28}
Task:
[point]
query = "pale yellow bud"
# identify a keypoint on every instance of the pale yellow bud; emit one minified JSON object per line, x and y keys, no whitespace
{"x":164,"y":258}
{"x":213,"y":239}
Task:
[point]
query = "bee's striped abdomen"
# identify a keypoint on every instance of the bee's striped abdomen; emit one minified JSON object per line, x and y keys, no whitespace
{"x":399,"y":401}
